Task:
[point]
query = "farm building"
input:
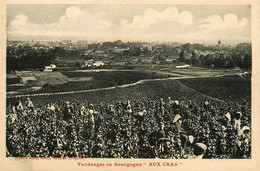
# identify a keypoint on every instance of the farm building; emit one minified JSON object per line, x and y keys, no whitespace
{"x":49,"y":68}
{"x":98,"y":63}
{"x":183,"y":66}
{"x":92,"y":63}
{"x":88,"y":63}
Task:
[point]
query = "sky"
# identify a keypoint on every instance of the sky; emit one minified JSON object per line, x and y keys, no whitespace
{"x":149,"y":23}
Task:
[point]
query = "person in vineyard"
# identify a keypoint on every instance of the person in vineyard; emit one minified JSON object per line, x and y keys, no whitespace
{"x":162,"y":107}
{"x":237,"y":122}
{"x":67,"y":112}
{"x":29,"y":104}
{"x":161,"y":137}
{"x":51,"y":107}
{"x":117,"y":132}
{"x":82,"y":110}
{"x":176,"y":107}
{"x":19,"y":106}
{"x":111,"y":110}
{"x":129,"y":107}
{"x":177,"y":126}
{"x":169,"y":104}
{"x":199,"y":150}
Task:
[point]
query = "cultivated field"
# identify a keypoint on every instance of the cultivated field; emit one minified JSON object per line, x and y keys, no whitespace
{"x":228,"y":88}
{"x":26,"y":82}
{"x":187,"y":84}
{"x":218,"y":89}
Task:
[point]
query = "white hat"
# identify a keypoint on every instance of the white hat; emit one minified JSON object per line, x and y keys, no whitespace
{"x":240,"y":113}
{"x":141,"y":113}
{"x":91,"y":111}
{"x":228,"y":116}
{"x":202,"y":146}
{"x":176,"y":118}
{"x":245,"y":128}
{"x":191,"y":138}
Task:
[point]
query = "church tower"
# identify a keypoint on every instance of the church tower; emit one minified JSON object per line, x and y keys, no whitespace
{"x":219,"y":42}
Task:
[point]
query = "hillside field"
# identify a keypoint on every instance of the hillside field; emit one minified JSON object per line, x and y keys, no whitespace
{"x":217,"y":89}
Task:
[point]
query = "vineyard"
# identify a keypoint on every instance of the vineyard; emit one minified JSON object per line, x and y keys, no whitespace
{"x":218,"y":89}
{"x":228,"y":88}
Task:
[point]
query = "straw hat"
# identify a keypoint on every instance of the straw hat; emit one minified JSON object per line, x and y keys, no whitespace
{"x":245,"y":128}
{"x":176,"y":118}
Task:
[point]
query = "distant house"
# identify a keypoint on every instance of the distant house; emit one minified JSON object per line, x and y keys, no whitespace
{"x":92,"y":63}
{"x":98,"y":63}
{"x":169,"y":61}
{"x":183,"y":66}
{"x":88,"y":63}
{"x":49,"y":68}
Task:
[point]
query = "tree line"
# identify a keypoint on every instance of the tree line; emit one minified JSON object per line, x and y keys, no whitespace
{"x":240,"y":56}
{"x":29,"y":61}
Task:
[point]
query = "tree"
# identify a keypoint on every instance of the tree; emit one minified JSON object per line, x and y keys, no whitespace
{"x":231,"y":62}
{"x":182,"y":57}
{"x":244,"y":48}
{"x":78,"y":65}
{"x":220,"y":61}
{"x":199,"y":62}
{"x":248,"y":61}
{"x":187,"y":47}
{"x":193,"y":58}
{"x":207,"y":60}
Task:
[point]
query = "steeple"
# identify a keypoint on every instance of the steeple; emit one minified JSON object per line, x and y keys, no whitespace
{"x":219,"y":42}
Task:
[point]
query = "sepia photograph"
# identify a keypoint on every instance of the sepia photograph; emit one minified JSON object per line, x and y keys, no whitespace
{"x":128,"y":81}
{"x":129,"y":85}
